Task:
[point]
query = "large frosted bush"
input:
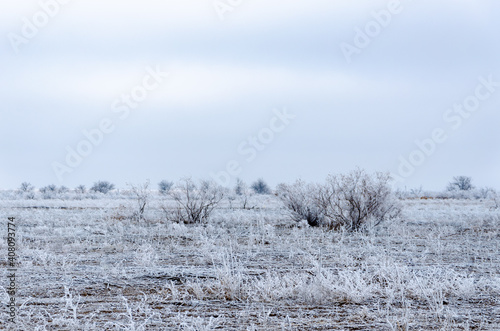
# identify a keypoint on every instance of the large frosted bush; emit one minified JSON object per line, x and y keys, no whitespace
{"x":349,"y":201}
{"x":354,"y":200}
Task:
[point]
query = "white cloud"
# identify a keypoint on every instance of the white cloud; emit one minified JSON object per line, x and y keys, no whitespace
{"x":189,"y":84}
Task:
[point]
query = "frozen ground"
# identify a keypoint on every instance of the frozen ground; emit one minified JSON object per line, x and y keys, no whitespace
{"x":86,"y":265}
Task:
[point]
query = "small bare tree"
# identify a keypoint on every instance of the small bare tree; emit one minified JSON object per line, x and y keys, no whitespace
{"x":260,"y":187}
{"x":301,"y":200}
{"x":27,"y":190}
{"x":26,"y":187}
{"x":81,"y":189}
{"x":240,"y":187}
{"x":195,"y":202}
{"x":142,"y":194}
{"x":352,"y":201}
{"x":165,"y":186}
{"x":49,"y":191}
{"x":63,"y":189}
{"x":230,"y":196}
{"x":241,"y":191}
{"x":460,"y":183}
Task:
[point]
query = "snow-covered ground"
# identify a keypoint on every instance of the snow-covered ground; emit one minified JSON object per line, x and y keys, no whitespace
{"x":87,"y":265}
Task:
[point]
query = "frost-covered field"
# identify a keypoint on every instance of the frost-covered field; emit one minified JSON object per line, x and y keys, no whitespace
{"x":87,"y":265}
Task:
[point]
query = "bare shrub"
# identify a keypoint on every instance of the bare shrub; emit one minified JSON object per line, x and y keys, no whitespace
{"x":231,"y":197}
{"x":48,"y":188}
{"x":49,"y":191}
{"x":81,"y":189}
{"x":141,"y":194}
{"x":241,"y":191}
{"x":165,"y":186}
{"x":195,"y":202}
{"x":260,"y":187}
{"x":238,"y":196}
{"x":352,"y":201}
{"x":102,"y":187}
{"x":63,"y":189}
{"x":240,"y":188}
{"x":301,"y":200}
{"x":27,"y":190}
{"x":26,"y":187}
{"x":496,"y":200}
{"x":460,"y":183}
{"x":484,"y":193}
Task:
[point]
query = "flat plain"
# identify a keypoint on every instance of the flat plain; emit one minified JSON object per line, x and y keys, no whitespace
{"x":86,"y":264}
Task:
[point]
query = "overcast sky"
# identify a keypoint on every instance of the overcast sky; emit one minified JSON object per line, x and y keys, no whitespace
{"x":132,"y":90}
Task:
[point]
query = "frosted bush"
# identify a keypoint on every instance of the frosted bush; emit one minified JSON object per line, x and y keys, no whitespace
{"x":102,"y":187}
{"x":357,"y":199}
{"x":195,"y":202}
{"x":350,"y":201}
{"x":301,"y":199}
